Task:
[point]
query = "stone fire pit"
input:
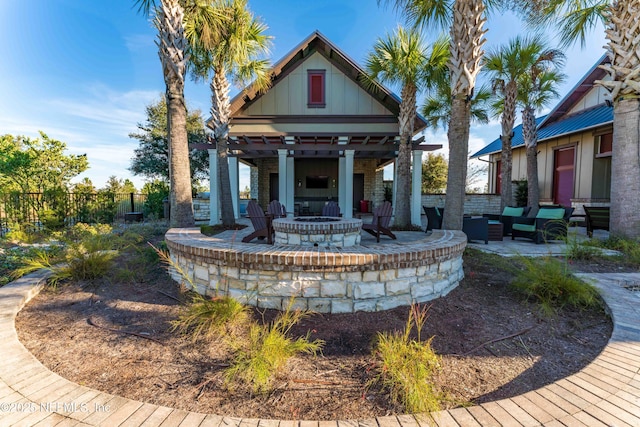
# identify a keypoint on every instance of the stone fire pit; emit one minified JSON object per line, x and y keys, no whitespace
{"x":317,"y":231}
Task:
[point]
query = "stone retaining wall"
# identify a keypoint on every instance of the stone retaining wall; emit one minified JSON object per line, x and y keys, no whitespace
{"x":372,"y":278}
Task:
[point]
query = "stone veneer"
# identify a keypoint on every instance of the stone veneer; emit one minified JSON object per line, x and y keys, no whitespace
{"x":304,"y":231}
{"x":361,"y":278}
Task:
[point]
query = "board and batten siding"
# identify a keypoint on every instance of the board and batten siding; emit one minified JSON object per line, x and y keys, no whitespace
{"x":584,"y":144}
{"x":595,"y":96}
{"x":289,"y":96}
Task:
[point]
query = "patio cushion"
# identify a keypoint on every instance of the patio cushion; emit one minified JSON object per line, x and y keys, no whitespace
{"x":551,"y":213}
{"x":491,"y":221}
{"x":509,"y":211}
{"x":524,"y":227}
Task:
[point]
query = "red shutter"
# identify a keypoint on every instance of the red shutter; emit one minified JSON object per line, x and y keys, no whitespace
{"x":316,"y":92}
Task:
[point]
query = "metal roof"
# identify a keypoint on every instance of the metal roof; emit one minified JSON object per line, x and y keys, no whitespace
{"x":496,"y":145}
{"x":584,"y":120}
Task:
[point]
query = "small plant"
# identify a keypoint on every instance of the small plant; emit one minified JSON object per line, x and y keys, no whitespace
{"x":207,"y":317}
{"x":630,"y":248}
{"x":580,"y":251}
{"x":553,"y":286}
{"x":267,"y":349}
{"x":407,"y":366}
{"x":88,"y":254}
{"x":42,"y":260}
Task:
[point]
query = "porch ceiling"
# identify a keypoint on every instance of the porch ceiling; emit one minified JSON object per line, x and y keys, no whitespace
{"x":373,"y":146}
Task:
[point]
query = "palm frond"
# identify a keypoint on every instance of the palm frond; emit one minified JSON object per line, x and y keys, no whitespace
{"x":145,"y":6}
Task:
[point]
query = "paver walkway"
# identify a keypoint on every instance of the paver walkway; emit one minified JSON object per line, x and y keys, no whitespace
{"x":605,"y":393}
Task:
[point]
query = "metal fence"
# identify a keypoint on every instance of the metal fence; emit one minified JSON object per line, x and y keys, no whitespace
{"x":56,"y":210}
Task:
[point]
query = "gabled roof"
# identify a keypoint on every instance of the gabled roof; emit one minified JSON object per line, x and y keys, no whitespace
{"x":317,"y":42}
{"x":578,"y":91}
{"x":556,"y":123}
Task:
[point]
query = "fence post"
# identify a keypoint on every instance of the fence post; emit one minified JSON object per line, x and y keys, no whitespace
{"x":133,"y":206}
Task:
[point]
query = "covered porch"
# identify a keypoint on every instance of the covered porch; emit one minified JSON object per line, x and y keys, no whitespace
{"x":304,"y":171}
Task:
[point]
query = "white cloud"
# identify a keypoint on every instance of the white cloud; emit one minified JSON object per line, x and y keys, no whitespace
{"x":95,"y":121}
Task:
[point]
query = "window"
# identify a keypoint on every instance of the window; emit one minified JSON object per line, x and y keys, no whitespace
{"x":605,"y":145}
{"x":316,"y":89}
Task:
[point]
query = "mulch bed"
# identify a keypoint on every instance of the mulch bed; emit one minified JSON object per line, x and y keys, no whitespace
{"x":493,"y":345}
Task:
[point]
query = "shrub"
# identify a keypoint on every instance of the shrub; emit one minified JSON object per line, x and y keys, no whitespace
{"x":549,"y":282}
{"x":154,"y":204}
{"x":407,"y":366}
{"x":267,"y":349}
{"x":521,"y":193}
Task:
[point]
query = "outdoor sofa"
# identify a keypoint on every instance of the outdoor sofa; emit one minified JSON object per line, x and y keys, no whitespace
{"x":549,"y":224}
{"x":507,"y":216}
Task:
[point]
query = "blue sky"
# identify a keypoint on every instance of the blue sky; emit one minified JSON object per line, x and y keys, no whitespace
{"x":83,"y":71}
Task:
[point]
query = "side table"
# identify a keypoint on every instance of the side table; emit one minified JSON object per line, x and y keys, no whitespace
{"x":495,"y":230}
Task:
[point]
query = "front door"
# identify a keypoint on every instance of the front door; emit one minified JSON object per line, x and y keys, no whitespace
{"x":564,"y":160}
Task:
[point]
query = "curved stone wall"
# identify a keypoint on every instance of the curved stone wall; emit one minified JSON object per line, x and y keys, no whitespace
{"x":337,"y":280}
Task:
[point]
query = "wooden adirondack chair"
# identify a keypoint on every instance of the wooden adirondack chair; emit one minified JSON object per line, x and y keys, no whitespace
{"x":331,"y":209}
{"x":261,"y":224}
{"x":380,"y":223}
{"x":276,"y":209}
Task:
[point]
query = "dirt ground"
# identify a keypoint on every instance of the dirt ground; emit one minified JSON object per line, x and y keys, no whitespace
{"x":492,"y":343}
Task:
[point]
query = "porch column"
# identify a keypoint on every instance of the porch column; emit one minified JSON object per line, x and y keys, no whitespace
{"x":282,"y":174}
{"x":348,"y":194}
{"x":288,"y":200}
{"x":234,"y":180}
{"x":254,"y":183}
{"x":395,"y":182}
{"x":214,"y":208}
{"x":416,"y":189}
{"x":342,"y":178}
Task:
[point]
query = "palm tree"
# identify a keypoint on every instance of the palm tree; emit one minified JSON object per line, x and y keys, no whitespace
{"x":436,"y":108}
{"x":466,"y":19}
{"x":536,"y":89}
{"x":234,"y":53}
{"x":505,"y":67}
{"x":620,"y":18}
{"x":403,"y":58}
{"x":172,"y":48}
{"x":172,"y":45}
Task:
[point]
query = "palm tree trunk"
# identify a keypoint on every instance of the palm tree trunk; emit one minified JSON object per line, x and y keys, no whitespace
{"x":531,"y":143}
{"x":467,"y":39}
{"x":221,"y":113}
{"x":458,"y":135}
{"x":625,"y":169}
{"x":172,"y":46}
{"x":506,"y":158}
{"x":406,"y":118}
{"x":623,"y":33}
